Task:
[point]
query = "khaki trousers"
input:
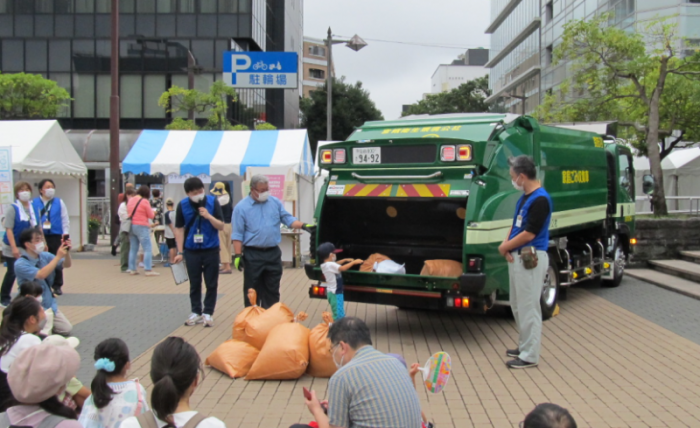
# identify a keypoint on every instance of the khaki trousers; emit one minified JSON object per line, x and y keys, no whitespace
{"x":225,"y":243}
{"x":525,"y":292}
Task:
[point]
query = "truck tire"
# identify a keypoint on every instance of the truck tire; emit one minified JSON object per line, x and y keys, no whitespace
{"x":550,"y":290}
{"x":618,"y":266}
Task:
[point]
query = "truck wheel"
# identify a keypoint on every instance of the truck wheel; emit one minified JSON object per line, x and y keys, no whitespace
{"x":618,"y":266}
{"x":550,"y":290}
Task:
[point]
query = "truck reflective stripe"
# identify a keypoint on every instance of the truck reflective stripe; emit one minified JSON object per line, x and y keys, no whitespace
{"x":368,"y":190}
{"x":423,"y":191}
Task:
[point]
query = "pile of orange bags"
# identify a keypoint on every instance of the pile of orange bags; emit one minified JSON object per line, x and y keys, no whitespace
{"x":368,"y":264}
{"x":257,"y":328}
{"x":442,"y":268}
{"x":285,"y":353}
{"x":320,"y":359}
{"x":249,"y":313}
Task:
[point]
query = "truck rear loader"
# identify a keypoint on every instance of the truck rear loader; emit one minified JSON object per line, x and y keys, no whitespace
{"x":438,"y":187}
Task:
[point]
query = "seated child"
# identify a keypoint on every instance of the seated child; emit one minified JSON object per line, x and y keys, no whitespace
{"x":412,"y":372}
{"x":114,"y":397}
{"x":34,"y":289}
{"x":76,"y":393}
{"x":333,"y":278}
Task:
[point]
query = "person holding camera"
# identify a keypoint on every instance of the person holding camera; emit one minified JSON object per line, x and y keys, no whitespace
{"x":54,"y":221}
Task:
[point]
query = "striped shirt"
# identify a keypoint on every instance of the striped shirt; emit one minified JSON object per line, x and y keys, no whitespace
{"x":373,"y":390}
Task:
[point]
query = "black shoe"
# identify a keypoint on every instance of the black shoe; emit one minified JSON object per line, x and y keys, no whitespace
{"x":57,"y":291}
{"x":519,"y":364}
{"x":515,"y":353}
{"x":114,"y":250}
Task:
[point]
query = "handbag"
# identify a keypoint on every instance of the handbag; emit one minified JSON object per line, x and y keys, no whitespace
{"x":126,"y":224}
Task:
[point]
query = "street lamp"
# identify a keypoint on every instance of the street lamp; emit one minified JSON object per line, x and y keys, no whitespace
{"x":356,"y":43}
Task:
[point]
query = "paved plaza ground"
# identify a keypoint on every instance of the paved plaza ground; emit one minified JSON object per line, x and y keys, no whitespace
{"x":625,"y":357}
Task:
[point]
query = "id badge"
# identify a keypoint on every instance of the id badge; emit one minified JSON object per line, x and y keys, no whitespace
{"x":47,"y":225}
{"x":198,"y":238}
{"x":519,"y":221}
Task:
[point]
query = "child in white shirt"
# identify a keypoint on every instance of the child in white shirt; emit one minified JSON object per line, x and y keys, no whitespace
{"x":333,"y":278}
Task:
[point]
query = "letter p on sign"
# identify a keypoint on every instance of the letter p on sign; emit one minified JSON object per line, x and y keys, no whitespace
{"x":240,"y":62}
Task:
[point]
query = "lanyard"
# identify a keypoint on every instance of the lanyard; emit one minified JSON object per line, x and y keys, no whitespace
{"x":47,"y":208}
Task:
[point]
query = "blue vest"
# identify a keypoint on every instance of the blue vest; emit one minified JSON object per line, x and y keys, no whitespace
{"x":541,"y":241}
{"x":195,"y":224}
{"x":19,"y":226}
{"x":54,"y":215}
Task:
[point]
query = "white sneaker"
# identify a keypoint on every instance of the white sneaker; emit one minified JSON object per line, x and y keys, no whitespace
{"x":152,"y":273}
{"x":133,"y":272}
{"x":142,"y":265}
{"x":194,"y":319}
{"x":208,"y":320}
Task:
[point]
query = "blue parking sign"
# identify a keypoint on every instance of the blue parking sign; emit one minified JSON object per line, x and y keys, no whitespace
{"x":265,"y":70}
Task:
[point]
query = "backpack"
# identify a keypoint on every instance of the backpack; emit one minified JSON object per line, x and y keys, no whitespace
{"x":148,"y":420}
{"x":49,"y":422}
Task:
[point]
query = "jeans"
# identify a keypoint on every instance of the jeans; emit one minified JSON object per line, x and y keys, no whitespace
{"x":8,"y":282}
{"x":124,"y":249}
{"x":263,"y":272}
{"x":140,"y":235}
{"x":203,"y":263}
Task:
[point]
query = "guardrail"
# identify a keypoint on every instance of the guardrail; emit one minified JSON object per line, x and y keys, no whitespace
{"x":693,"y":204}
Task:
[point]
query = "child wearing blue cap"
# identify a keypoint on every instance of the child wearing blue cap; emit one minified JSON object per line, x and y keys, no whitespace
{"x":333,"y":279}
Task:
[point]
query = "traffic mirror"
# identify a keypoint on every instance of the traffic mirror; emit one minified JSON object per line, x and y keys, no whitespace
{"x":648,"y":184}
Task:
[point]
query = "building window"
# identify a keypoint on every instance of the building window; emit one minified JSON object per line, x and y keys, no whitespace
{"x":5,"y":6}
{"x":549,"y":56}
{"x":43,"y":6}
{"x":317,"y":51}
{"x":187,"y":6}
{"x":549,"y":12}
{"x":315,"y":73}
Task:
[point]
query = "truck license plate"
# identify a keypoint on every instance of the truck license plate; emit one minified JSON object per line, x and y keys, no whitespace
{"x":366,"y":155}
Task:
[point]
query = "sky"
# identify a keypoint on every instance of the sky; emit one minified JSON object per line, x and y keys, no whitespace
{"x":397,"y":74}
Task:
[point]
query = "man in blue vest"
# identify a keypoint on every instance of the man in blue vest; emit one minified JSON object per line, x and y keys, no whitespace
{"x":52,"y":215}
{"x":525,"y":249}
{"x":198,"y":220}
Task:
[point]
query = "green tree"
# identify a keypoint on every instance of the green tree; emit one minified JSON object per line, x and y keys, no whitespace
{"x":641,"y":78}
{"x":352,"y":107}
{"x":30,"y":96}
{"x":264,"y":126}
{"x":467,"y":98}
{"x":213,"y":103}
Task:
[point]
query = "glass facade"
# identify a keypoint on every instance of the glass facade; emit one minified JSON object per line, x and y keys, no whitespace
{"x":68,"y":41}
{"x":553,"y":15}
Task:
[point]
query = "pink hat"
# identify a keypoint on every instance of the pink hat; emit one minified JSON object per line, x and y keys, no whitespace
{"x":39,"y":372}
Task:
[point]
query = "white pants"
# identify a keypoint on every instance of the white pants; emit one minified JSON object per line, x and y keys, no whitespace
{"x":525,"y":292}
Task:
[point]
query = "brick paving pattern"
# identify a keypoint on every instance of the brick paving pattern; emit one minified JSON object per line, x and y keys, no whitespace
{"x":607,"y":364}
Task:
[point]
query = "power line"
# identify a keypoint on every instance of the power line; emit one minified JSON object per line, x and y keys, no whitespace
{"x":416,"y":44}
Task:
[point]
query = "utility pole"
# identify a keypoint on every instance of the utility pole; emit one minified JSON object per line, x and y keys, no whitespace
{"x":329,"y":87}
{"x":114,"y":170}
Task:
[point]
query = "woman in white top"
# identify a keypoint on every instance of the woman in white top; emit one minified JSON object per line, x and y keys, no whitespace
{"x":21,"y":320}
{"x":175,"y":370}
{"x":123,"y":241}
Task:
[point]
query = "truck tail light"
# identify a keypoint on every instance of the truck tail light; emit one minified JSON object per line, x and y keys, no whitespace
{"x":450,"y":302}
{"x":339,"y":156}
{"x":464,"y":152}
{"x":447,"y":153}
{"x":326,"y":156}
{"x":474,"y":264}
{"x":633,"y":241}
{"x":458,"y":302}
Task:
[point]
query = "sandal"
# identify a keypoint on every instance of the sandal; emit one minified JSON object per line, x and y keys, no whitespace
{"x":225,"y":272}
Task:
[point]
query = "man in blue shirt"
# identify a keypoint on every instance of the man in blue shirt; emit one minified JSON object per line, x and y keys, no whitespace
{"x":35,"y":264}
{"x":198,"y":220}
{"x":530,"y":231}
{"x":256,"y":233}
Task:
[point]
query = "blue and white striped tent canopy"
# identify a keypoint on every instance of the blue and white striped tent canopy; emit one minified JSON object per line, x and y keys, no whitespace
{"x":223,"y":153}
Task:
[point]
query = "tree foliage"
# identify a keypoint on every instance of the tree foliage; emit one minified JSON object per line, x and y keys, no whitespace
{"x":214,"y":104}
{"x":264,"y":126}
{"x":30,"y":96}
{"x":642,"y":79}
{"x":352,"y":107}
{"x":467,"y":98}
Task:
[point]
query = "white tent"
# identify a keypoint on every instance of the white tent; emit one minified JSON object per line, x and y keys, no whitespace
{"x":231,"y":156}
{"x":681,"y":169}
{"x":40,"y":149}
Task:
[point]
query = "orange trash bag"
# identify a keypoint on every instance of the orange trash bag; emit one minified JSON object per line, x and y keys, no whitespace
{"x":246,"y":315}
{"x":320,"y":359}
{"x":257,"y":329}
{"x":368,"y":264}
{"x":285,"y":354}
{"x":442,"y":268}
{"x":233,"y":357}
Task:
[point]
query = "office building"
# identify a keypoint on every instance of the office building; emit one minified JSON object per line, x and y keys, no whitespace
{"x":69,"y":41}
{"x":468,"y":66}
{"x":315,"y":65}
{"x":524,"y":34}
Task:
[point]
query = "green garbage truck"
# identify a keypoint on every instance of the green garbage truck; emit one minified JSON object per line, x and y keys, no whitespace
{"x":438,"y":188}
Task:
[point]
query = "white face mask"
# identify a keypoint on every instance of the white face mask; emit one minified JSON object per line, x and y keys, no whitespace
{"x":337,"y":364}
{"x":49,"y":193}
{"x":40,"y":299}
{"x":517,"y":186}
{"x":334,"y":257}
{"x":39,"y":247}
{"x":224,"y":199}
{"x":262,"y":197}
{"x":24,"y":196}
{"x":197,"y":198}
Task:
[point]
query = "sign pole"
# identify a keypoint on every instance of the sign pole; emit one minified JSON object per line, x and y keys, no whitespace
{"x":114,"y":170}
{"x":329,"y":88}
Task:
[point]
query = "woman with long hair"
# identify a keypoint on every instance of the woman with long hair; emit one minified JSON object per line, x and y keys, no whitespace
{"x":140,"y":211}
{"x":175,"y":372}
{"x":21,"y":321}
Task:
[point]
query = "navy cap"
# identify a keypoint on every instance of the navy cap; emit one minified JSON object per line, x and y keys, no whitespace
{"x":325,"y":250}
